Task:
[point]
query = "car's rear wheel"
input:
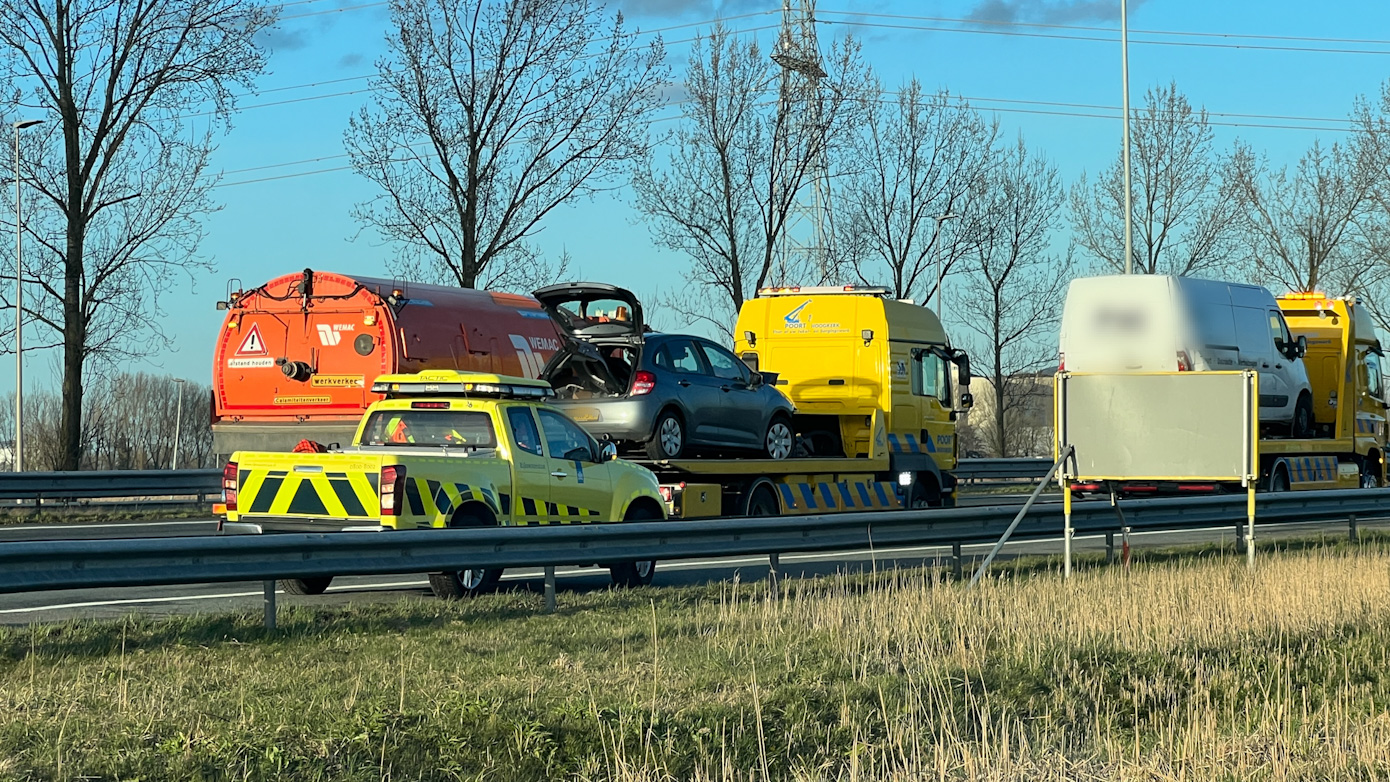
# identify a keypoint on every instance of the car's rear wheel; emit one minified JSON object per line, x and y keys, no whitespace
{"x":668,"y":437}
{"x":469,"y":582}
{"x":640,"y":573}
{"x":306,"y":586}
{"x":779,"y":441}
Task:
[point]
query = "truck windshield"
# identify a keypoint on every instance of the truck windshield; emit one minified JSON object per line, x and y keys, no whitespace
{"x":430,"y":429}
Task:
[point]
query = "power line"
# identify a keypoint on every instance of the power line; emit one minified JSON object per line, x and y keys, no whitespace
{"x":1096,"y":39}
{"x":1189,"y":33}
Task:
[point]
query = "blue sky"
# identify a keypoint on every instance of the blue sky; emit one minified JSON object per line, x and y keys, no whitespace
{"x":280,"y":214}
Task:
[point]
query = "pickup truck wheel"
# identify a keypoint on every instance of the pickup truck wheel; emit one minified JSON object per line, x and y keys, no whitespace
{"x":471,"y":582}
{"x":635,"y":574}
{"x":305,"y":586}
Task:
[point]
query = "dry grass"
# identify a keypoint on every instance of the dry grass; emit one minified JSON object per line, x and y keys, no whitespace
{"x":1183,"y":670}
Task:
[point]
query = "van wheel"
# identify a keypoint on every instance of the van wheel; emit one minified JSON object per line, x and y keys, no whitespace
{"x":779,"y":440}
{"x":306,"y":586}
{"x":1302,"y":426}
{"x":640,"y":573}
{"x":471,"y":582}
{"x":668,"y":437}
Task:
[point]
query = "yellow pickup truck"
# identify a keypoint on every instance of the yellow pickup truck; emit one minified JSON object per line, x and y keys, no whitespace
{"x":446,"y":449}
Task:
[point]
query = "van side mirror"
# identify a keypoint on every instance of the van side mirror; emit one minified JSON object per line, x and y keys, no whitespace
{"x":607,"y":451}
{"x":1302,"y":346}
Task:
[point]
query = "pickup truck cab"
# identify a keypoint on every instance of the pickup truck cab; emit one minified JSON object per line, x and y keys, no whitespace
{"x":446,"y":449}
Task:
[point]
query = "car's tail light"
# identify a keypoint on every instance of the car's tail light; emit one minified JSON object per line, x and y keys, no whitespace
{"x":229,"y":474}
{"x":1184,"y":365}
{"x":392,"y":489}
{"x":643,"y":382}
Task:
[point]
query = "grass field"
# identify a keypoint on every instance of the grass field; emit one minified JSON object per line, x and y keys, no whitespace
{"x":1181,"y":668}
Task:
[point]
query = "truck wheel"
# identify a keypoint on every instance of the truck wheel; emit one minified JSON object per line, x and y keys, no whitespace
{"x":471,"y":582}
{"x":640,"y":573}
{"x":1302,"y":426}
{"x":922,"y":495}
{"x":668,"y":437}
{"x":779,"y":440}
{"x":1279,"y":481}
{"x":1369,"y":479}
{"x":763,"y":503}
{"x":305,"y":586}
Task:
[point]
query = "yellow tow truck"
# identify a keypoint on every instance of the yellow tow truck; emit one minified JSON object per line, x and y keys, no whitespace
{"x":1336,"y":339}
{"x":876,"y":407}
{"x":446,"y":449}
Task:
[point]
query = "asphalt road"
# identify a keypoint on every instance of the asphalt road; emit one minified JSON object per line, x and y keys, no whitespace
{"x":212,"y":598}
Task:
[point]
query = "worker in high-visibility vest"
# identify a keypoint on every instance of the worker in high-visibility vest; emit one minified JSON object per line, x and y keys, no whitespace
{"x":398,"y":432}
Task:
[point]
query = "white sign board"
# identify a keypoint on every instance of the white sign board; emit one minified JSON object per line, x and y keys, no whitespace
{"x":1158,"y":426}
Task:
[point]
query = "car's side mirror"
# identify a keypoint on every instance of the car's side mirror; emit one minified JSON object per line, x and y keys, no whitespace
{"x":607,"y":451}
{"x":1302,"y":346}
{"x":755,"y":380}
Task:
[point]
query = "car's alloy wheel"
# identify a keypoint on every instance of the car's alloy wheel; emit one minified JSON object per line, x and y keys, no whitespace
{"x":671,"y":436}
{"x":779,"y":440}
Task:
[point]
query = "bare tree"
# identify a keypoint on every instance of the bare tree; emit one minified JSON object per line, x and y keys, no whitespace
{"x":1013,"y":292}
{"x":912,"y":160}
{"x":489,"y":114}
{"x":120,"y":167}
{"x":736,"y":167}
{"x":1184,"y":218}
{"x":128,"y":424}
{"x":1304,"y":228}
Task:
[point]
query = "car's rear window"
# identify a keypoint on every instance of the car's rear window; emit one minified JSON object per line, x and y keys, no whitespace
{"x":430,"y":428}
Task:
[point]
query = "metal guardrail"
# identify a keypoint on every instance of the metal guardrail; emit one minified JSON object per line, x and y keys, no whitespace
{"x":39,"y":565}
{"x":109,"y":484}
{"x":1002,"y":469}
{"x":201,"y":484}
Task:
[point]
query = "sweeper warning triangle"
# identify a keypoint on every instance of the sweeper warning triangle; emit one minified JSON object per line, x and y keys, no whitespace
{"x":252,"y":344}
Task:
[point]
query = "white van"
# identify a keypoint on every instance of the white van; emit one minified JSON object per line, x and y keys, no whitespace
{"x":1153,"y":323}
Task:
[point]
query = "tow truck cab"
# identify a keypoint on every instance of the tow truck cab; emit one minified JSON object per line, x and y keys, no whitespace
{"x":846,"y":354}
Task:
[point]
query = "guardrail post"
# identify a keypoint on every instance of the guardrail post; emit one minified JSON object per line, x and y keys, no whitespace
{"x":1351,"y":527}
{"x":1110,"y":548}
{"x":550,"y":589}
{"x":270,"y":605}
{"x":774,"y":569}
{"x":957,"y":566}
{"x":1240,"y":538}
{"x":1124,"y":546}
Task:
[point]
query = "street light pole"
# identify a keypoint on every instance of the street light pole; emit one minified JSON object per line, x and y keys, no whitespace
{"x":19,"y":301}
{"x":178,"y":424}
{"x":1124,"y":75}
{"x":935,"y":251}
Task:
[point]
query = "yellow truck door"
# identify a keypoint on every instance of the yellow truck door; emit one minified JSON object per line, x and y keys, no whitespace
{"x":530,"y":468}
{"x":580,"y":486}
{"x":934,"y":430}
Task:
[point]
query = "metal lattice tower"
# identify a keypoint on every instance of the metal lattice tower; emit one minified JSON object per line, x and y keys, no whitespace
{"x":805,"y":244}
